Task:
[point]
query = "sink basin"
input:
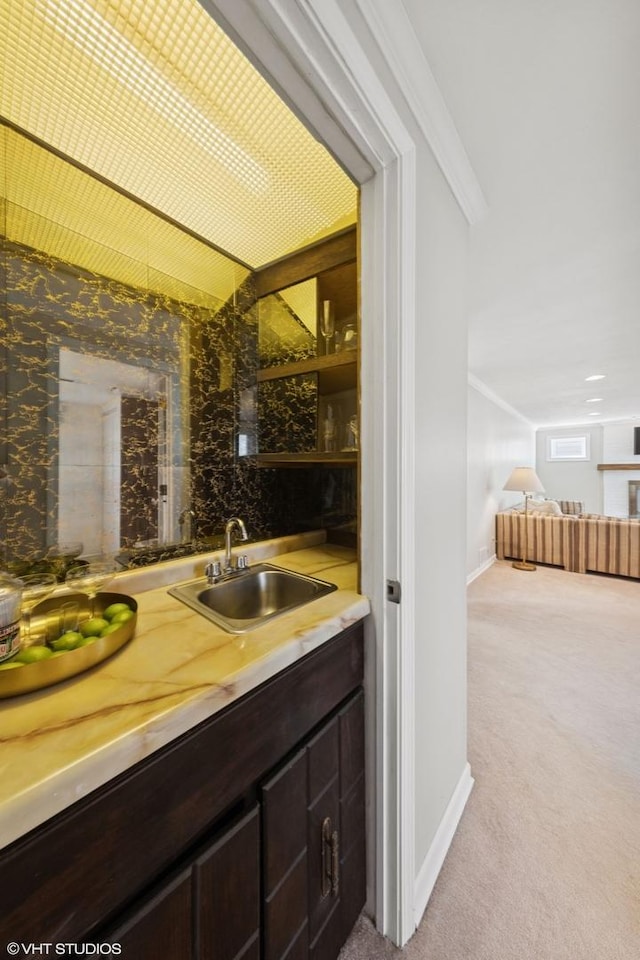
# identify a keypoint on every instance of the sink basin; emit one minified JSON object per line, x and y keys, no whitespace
{"x":249,"y":599}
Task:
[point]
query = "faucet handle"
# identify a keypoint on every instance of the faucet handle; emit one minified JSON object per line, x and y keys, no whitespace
{"x":213,"y":571}
{"x":243,"y":562}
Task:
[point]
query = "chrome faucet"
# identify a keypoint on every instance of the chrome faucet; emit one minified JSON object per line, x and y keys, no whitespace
{"x":231,"y":525}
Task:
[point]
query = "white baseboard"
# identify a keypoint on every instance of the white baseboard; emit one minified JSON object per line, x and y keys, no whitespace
{"x":428,"y":873}
{"x":481,"y":569}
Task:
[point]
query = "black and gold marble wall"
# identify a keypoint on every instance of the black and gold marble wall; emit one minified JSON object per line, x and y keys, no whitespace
{"x":52,"y":306}
{"x":287,"y":414}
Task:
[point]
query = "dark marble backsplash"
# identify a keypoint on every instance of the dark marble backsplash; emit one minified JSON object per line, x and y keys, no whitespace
{"x":208,"y":361}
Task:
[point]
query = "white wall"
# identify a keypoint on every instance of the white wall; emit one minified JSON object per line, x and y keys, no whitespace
{"x":572,"y":479}
{"x":498,"y":440}
{"x":440,"y":522}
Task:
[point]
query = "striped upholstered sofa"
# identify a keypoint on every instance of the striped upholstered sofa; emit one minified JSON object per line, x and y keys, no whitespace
{"x":549,"y":539}
{"x":580,"y":543}
{"x":607,"y":545}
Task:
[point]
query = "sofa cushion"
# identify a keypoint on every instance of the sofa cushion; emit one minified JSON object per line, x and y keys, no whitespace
{"x":549,"y":508}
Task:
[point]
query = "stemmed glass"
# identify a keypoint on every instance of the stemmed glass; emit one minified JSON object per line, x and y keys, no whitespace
{"x":62,"y":556}
{"x":35,"y":587}
{"x":327,"y":323}
{"x":90,"y":578}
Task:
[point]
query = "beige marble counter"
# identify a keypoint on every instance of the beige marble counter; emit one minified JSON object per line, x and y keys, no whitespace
{"x":59,"y":744}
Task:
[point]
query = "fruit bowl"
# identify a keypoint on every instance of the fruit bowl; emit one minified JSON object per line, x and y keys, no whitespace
{"x":44,"y":673}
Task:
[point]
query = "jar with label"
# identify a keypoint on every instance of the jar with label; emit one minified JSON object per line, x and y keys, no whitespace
{"x":10,"y":602}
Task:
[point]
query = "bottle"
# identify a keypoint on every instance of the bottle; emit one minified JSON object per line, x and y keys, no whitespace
{"x":10,"y":602}
{"x":329,"y":431}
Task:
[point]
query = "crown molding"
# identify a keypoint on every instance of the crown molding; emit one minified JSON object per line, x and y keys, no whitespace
{"x":487,"y":392}
{"x":396,"y":38}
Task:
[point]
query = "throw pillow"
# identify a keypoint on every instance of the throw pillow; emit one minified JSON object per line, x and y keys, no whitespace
{"x":547,"y":508}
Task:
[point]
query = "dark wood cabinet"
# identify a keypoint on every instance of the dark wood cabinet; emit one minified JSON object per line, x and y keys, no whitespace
{"x":161,"y":926}
{"x":314,"y":841}
{"x":216,"y":847}
{"x":209,"y":910}
{"x":227,"y":893}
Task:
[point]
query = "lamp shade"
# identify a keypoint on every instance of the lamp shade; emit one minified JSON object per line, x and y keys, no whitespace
{"x":524,"y":479}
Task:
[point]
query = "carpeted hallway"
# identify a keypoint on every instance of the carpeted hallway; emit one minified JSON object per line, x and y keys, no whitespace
{"x":546,"y":861}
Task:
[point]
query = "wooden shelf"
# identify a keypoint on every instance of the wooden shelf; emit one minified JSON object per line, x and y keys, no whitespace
{"x":343,"y":458}
{"x":336,"y":372}
{"x":619,"y":466}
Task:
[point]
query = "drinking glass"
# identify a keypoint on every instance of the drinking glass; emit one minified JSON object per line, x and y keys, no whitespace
{"x":35,"y":587}
{"x":62,"y":555}
{"x":327,"y":323}
{"x":90,"y":578}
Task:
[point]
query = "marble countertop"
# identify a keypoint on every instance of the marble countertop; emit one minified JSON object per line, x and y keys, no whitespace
{"x":59,"y":744}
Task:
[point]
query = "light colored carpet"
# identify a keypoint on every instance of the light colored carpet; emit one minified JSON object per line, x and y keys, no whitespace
{"x":546,"y":862}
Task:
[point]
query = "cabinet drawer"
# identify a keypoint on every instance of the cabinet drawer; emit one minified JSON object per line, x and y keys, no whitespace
{"x":161,"y":927}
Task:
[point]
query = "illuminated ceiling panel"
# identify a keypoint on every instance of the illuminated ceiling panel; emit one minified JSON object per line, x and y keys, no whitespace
{"x":156,"y":99}
{"x":55,"y":208}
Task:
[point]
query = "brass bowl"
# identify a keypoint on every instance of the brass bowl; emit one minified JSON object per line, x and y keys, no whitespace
{"x":44,"y":673}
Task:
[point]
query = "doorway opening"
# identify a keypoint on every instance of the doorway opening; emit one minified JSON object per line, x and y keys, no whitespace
{"x":114,"y":454}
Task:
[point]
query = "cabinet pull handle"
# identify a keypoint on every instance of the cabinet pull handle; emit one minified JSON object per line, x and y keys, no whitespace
{"x":335,"y":863}
{"x":326,"y":863}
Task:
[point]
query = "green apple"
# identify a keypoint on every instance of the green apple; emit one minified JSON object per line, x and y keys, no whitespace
{"x":68,"y":641}
{"x":93,"y":627}
{"x":122,"y":616}
{"x":33,"y":654}
{"x":115,"y":608}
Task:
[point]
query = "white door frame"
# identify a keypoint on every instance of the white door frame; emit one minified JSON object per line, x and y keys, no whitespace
{"x":378,"y":153}
{"x":311,"y":55}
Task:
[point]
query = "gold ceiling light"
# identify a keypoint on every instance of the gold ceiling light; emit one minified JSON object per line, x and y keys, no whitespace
{"x":93,"y":35}
{"x":57,"y":209}
{"x":155,"y":99}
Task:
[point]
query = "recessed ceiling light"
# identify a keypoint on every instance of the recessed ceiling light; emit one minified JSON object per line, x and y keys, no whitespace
{"x":596,"y":376}
{"x":596,"y":413}
{"x":594,"y":400}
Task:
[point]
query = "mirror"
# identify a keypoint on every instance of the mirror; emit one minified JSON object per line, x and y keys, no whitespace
{"x":119,"y":380}
{"x":287,"y":324}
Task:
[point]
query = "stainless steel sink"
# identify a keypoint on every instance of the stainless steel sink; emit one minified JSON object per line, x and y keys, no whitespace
{"x":247,"y":600}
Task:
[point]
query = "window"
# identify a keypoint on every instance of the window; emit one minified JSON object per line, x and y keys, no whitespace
{"x":568,"y":448}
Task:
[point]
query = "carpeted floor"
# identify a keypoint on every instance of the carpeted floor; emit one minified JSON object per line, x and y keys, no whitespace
{"x":546,"y":862}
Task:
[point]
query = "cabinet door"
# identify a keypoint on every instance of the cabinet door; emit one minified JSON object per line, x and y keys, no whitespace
{"x":314,"y":842}
{"x":162,"y":926}
{"x":227,"y":884}
{"x":323,"y":825}
{"x":337,"y":809}
{"x":284,"y":819}
{"x":352,"y":813}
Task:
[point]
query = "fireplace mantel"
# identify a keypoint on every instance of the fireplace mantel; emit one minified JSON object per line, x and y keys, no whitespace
{"x":619,"y":466}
